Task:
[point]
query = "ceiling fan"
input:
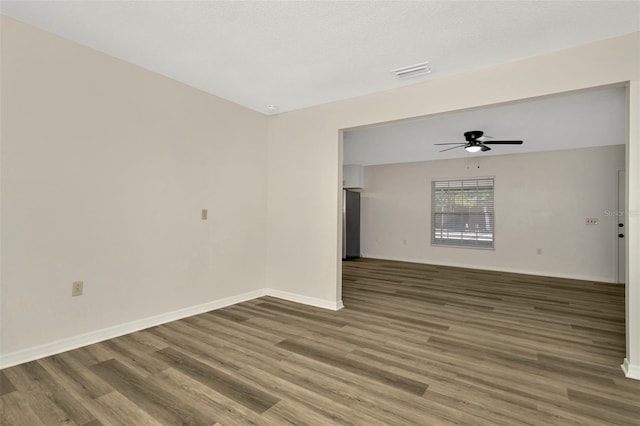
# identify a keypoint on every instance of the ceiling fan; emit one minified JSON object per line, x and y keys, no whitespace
{"x":477,"y":141}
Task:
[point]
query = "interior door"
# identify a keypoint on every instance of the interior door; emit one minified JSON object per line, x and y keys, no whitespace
{"x":620,"y":227}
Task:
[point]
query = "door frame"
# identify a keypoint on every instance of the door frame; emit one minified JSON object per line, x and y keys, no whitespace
{"x":620,"y":212}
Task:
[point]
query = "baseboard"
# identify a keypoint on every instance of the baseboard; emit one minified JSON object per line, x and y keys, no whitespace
{"x":608,"y":280}
{"x":631,"y":371}
{"x":92,"y":337}
{"x":74,"y":342}
{"x":305,"y":300}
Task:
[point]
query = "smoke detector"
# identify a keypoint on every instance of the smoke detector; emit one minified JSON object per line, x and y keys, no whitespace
{"x":412,"y":70}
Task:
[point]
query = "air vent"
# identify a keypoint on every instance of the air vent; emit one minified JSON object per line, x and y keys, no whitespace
{"x":412,"y":70}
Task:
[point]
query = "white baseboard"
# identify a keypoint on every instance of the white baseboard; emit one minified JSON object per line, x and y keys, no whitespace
{"x":74,"y":342}
{"x":631,"y":371}
{"x":306,"y":300}
{"x":496,"y":268}
{"x":92,"y":337}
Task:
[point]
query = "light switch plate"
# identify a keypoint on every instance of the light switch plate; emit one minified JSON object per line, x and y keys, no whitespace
{"x":76,"y":288}
{"x":204,"y":214}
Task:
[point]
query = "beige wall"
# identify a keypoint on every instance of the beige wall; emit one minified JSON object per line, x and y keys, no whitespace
{"x":632,"y":361}
{"x":105,"y":168}
{"x":304,"y":155}
{"x":541,"y":201}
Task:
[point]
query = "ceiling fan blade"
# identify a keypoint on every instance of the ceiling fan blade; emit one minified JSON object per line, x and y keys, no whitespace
{"x":454,"y":147}
{"x":484,"y":148}
{"x":503,"y":143}
{"x":449,"y":143}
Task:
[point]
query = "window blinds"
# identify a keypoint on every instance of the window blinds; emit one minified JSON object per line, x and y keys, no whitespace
{"x":462,"y":212}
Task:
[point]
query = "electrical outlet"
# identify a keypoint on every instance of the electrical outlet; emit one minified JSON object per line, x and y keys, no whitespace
{"x":204,"y":214}
{"x":76,"y":288}
{"x":591,"y":221}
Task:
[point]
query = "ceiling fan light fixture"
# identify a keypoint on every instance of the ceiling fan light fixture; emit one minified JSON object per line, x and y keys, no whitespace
{"x":476,"y":142}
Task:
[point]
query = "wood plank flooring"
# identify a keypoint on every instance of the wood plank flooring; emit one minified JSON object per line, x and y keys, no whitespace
{"x":415,"y":344}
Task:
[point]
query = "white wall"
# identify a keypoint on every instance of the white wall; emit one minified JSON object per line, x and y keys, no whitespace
{"x":541,"y":201}
{"x":105,"y":168}
{"x":632,"y":361}
{"x":304,"y":156}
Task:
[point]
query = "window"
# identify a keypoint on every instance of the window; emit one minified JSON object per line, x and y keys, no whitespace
{"x":462,"y":212}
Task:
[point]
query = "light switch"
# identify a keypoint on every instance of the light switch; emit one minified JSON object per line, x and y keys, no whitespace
{"x":77,"y":288}
{"x":203,"y":215}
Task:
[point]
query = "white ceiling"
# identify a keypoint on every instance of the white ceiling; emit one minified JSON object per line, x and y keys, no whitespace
{"x":574,"y":120}
{"x":295,"y":54}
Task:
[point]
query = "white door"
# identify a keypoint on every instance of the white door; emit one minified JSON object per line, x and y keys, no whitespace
{"x":620,"y":227}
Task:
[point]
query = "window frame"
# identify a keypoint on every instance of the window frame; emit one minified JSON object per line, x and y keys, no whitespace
{"x":436,"y":242}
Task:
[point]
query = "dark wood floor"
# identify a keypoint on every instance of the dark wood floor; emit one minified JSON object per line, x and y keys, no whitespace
{"x":415,"y":344}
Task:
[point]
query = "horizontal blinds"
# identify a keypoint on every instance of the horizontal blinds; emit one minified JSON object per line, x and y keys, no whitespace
{"x":462,"y":212}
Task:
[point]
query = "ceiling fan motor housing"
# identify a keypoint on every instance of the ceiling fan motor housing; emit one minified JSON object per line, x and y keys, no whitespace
{"x":473,"y":135}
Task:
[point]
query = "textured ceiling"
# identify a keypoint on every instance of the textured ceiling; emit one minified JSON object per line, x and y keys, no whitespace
{"x":298,"y":54}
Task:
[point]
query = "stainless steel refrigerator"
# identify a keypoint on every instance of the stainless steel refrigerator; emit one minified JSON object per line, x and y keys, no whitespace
{"x":350,"y":224}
